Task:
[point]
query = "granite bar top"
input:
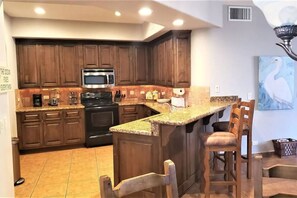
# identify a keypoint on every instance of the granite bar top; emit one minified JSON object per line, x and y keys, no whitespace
{"x":177,"y":117}
{"x":159,"y":107}
{"x":49,"y":108}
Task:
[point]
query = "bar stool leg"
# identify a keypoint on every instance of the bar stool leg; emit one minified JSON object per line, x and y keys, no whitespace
{"x":206,"y":173}
{"x":249,"y":156}
{"x":229,"y":162}
{"x":238,"y":174}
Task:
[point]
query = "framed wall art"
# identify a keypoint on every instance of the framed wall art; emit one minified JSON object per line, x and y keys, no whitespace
{"x":276,"y":82}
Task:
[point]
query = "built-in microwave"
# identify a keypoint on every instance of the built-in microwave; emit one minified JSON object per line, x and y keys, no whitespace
{"x":97,"y":78}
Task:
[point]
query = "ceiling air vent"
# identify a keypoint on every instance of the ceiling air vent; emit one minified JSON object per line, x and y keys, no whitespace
{"x":240,"y":13}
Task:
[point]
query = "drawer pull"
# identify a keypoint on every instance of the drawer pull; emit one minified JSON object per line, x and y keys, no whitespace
{"x":130,"y":109}
{"x":29,"y":117}
{"x":52,"y":115}
{"x":72,"y":114}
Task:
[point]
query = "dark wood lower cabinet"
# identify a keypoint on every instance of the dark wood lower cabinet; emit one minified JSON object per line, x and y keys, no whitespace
{"x":140,"y":154}
{"x":50,"y":128}
{"x":73,"y":131}
{"x":32,"y":135}
{"x":52,"y":133}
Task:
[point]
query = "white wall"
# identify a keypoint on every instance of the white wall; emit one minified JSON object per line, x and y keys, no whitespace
{"x":228,"y":57}
{"x":6,"y":165}
{"x":60,"y":29}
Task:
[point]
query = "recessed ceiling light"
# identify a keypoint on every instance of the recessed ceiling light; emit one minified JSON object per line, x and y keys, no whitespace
{"x":39,"y":10}
{"x":117,"y":13}
{"x":178,"y":22}
{"x":145,"y":11}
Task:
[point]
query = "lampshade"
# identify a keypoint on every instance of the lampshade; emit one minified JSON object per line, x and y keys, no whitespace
{"x":278,"y":12}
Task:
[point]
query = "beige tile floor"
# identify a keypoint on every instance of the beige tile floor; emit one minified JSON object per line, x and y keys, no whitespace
{"x":75,"y":173}
{"x":67,"y":173}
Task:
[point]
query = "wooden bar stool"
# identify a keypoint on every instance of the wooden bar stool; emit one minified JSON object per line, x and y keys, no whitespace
{"x":227,"y":142}
{"x":247,"y":130}
{"x":142,"y":182}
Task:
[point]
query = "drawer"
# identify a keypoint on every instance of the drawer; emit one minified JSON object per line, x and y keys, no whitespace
{"x":72,"y":114}
{"x":52,"y":115}
{"x":129,"y":109}
{"x":31,"y":117}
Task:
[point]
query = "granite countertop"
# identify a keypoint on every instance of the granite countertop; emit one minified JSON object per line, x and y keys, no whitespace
{"x":178,"y":117}
{"x":159,"y":107}
{"x":49,"y":108}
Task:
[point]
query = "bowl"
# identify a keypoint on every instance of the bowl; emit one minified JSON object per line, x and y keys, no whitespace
{"x":163,"y":100}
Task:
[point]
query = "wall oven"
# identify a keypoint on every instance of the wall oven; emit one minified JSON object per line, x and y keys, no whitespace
{"x":100,"y":114}
{"x":98,"y":78}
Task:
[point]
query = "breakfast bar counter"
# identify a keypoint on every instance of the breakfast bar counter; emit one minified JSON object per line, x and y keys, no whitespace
{"x":143,"y":145}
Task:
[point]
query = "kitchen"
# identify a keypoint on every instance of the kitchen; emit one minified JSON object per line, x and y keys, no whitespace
{"x":212,"y":52}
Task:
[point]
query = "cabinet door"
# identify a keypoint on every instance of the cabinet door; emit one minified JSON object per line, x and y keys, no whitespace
{"x":90,"y":53}
{"x":125,"y":72}
{"x":182,"y":70}
{"x":161,"y":64}
{"x":73,"y":131}
{"x":70,"y":65}
{"x":141,"y":65}
{"x":128,"y":118}
{"x":106,"y":56}
{"x":155,"y":64}
{"x":31,"y":136}
{"x":48,"y":60}
{"x":168,"y":63}
{"x":53,"y":133}
{"x":74,"y":127}
{"x":29,"y":74}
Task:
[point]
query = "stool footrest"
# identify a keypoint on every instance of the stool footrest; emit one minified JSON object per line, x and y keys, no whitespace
{"x":223,"y":183}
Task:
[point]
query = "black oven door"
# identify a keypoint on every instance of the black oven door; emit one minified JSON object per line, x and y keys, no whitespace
{"x":98,"y":120}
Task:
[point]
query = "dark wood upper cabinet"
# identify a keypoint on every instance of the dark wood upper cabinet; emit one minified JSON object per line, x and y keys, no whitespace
{"x":125,"y":72}
{"x":106,"y":56}
{"x":141,"y":65}
{"x":168,"y":63}
{"x":53,"y":63}
{"x":48,"y":61}
{"x":171,"y":59}
{"x":98,"y":56}
{"x":90,"y":53}
{"x":182,"y":66}
{"x":70,"y":64}
{"x":29,"y":74}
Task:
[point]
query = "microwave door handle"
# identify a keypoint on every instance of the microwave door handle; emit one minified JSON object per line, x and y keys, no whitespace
{"x":107,"y":78}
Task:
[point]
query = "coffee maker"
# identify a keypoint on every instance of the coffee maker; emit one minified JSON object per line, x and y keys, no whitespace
{"x":37,"y":100}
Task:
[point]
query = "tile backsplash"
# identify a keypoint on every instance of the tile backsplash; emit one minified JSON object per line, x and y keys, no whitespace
{"x":193,"y":95}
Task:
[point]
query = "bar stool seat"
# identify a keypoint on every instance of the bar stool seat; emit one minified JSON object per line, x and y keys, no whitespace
{"x":229,"y":142}
{"x":246,"y":131}
{"x":222,"y":138}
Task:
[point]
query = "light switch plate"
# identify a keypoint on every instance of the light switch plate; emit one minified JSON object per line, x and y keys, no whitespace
{"x":2,"y":125}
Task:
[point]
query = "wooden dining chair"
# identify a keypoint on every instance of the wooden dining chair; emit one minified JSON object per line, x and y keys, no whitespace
{"x":247,"y":131}
{"x":142,"y":182}
{"x":229,"y":142}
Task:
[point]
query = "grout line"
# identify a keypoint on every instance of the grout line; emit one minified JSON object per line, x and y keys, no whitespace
{"x":67,"y":184}
{"x":39,"y":176}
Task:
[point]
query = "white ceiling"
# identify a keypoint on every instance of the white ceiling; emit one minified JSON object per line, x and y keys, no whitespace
{"x":102,"y":11}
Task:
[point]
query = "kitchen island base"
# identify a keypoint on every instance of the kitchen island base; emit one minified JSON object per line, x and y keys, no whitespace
{"x":139,"y":154}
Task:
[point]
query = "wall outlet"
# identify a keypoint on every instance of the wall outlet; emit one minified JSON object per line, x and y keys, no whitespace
{"x":179,"y":91}
{"x":217,"y":88}
{"x":131,"y":92}
{"x":163,"y":93}
{"x":255,"y":142}
{"x":142,"y":92}
{"x":250,"y":96}
{"x":46,"y":97}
